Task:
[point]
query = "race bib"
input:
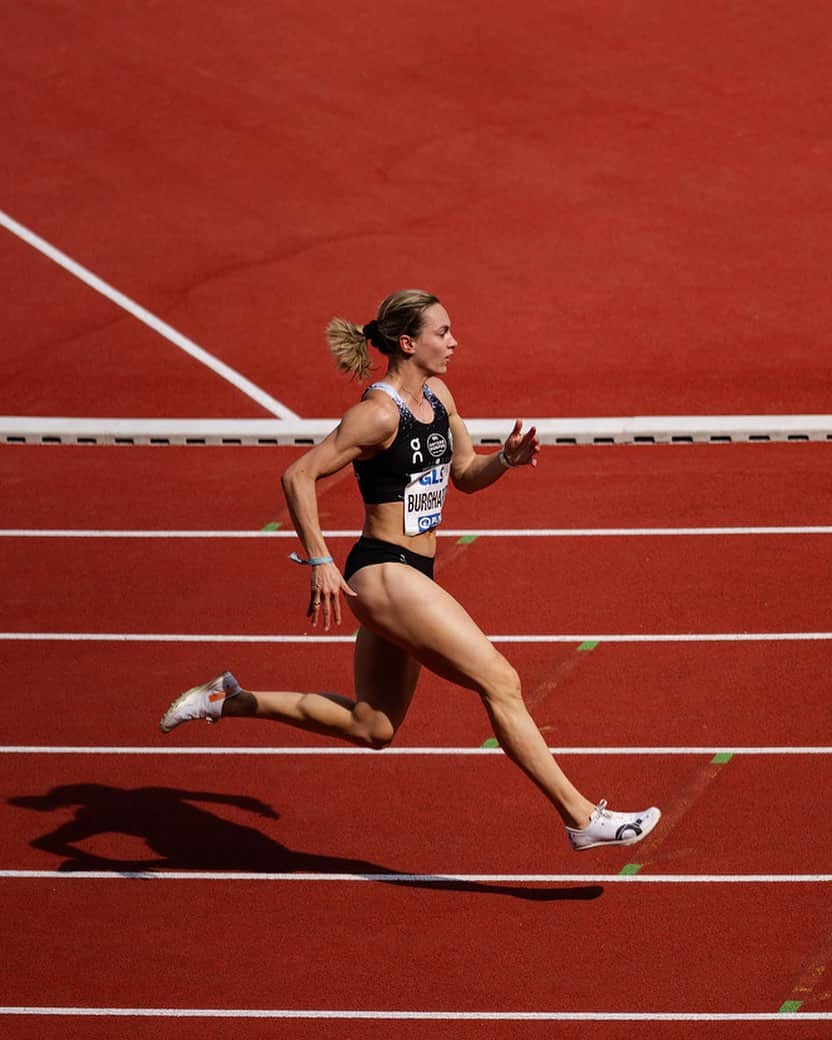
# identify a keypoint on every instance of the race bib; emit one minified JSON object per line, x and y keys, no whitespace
{"x":424,"y":497}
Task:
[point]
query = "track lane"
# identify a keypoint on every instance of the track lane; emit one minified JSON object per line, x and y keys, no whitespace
{"x":58,"y":327}
{"x":710,"y":947}
{"x":659,"y":694}
{"x":430,"y":815}
{"x":227,"y":313}
{"x":620,"y":486}
{"x":764,"y":584}
{"x":471,"y":815}
{"x":665,"y":179}
{"x":326,"y":1029}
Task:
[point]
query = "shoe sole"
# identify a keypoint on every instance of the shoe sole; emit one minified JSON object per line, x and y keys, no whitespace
{"x":622,"y":841}
{"x":183,"y":696}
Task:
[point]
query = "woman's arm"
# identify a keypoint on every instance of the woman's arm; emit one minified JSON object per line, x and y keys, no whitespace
{"x":364,"y":427}
{"x":471,"y":471}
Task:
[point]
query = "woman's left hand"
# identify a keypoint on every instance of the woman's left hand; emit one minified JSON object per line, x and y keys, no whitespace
{"x":521,"y":450}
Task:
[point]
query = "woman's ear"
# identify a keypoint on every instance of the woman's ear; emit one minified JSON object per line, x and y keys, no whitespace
{"x":406,"y":345}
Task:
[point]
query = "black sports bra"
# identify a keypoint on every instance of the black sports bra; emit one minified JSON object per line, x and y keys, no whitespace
{"x":415,"y":468}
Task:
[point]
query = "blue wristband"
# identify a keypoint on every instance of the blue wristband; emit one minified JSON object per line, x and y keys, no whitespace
{"x":313,"y":561}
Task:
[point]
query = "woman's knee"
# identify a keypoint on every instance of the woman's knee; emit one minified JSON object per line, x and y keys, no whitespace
{"x":502,"y":685}
{"x":371,"y":728}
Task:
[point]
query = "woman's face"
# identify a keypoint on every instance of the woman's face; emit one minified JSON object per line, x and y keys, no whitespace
{"x":435,"y":344}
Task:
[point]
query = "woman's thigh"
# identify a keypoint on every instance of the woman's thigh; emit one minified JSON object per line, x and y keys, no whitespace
{"x":406,"y":608}
{"x":385,"y":675}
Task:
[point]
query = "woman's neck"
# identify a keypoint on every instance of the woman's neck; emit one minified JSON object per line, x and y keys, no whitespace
{"x":409,"y":384}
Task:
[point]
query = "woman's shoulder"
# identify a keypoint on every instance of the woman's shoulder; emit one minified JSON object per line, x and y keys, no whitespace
{"x":372,"y":421}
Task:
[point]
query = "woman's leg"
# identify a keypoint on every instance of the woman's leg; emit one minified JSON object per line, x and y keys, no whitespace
{"x":385,"y":679}
{"x":406,"y":608}
{"x":407,"y":621}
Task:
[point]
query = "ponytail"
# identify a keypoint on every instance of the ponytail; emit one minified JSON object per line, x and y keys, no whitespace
{"x":349,"y":348}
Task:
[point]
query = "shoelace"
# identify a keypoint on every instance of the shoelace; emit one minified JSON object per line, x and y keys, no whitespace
{"x":601,"y":809}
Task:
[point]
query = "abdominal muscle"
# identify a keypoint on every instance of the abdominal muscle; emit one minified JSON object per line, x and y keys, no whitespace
{"x":385,"y":521}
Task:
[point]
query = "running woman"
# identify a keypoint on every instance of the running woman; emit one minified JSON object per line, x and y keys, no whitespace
{"x":406,"y":443}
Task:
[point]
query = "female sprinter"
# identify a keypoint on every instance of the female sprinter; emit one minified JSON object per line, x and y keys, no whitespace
{"x":406,"y":441}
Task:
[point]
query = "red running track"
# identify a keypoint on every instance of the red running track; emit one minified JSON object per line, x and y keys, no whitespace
{"x":772,"y":583}
{"x":444,"y":814}
{"x":271,"y":1029}
{"x":238,"y":489}
{"x":332,"y":945}
{"x":766,"y":694}
{"x":650,"y":215}
{"x":428,"y":814}
{"x":647,"y":233}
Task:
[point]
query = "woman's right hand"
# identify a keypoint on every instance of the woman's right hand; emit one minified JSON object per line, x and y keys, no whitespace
{"x":327,"y":584}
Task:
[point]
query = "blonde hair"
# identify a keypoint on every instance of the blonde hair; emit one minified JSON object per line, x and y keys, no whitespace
{"x":401,"y":314}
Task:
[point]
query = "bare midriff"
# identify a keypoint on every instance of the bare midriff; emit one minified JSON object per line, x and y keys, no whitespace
{"x":385,"y":521}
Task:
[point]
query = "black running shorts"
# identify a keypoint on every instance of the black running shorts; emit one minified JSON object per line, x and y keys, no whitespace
{"x":367,"y":551}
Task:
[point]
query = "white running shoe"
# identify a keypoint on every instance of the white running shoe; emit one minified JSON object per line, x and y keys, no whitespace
{"x":613,"y":828}
{"x":200,"y":702}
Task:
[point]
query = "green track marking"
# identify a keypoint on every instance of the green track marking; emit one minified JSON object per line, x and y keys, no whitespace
{"x":631,"y":868}
{"x":466,"y":539}
{"x":721,"y":757}
{"x":788,"y":1007}
{"x":273,"y":525}
{"x":587,"y":645}
{"x":490,"y":743}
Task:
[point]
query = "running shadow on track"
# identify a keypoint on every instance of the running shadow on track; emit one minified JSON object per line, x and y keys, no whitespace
{"x":185,"y":836}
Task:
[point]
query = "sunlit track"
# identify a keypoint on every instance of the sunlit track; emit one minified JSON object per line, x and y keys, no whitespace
{"x":656,"y":304}
{"x":239,"y":381}
{"x":543,"y":532}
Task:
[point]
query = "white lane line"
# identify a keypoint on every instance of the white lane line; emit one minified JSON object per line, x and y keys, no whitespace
{"x":97,"y":749}
{"x":432,"y":1016}
{"x":490,"y":432}
{"x":420,"y":879}
{"x":237,"y":380}
{"x":180,"y":637}
{"x":542,"y":532}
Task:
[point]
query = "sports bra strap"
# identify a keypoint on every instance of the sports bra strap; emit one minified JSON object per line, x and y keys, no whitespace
{"x":389,"y":390}
{"x":392,"y":392}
